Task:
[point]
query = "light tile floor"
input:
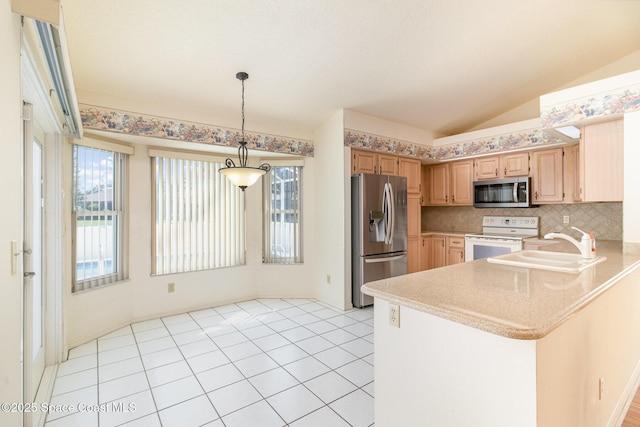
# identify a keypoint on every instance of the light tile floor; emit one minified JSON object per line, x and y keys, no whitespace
{"x":265,"y":362}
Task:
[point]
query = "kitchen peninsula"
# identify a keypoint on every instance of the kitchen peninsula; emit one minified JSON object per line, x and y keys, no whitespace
{"x":488,"y":345}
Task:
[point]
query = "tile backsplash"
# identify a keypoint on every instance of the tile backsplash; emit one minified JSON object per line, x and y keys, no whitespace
{"x":605,"y":219}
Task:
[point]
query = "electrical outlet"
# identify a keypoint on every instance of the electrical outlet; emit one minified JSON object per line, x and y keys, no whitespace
{"x":565,"y":219}
{"x":328,"y":279}
{"x":600,"y":388}
{"x":171,"y":287}
{"x":394,"y":315}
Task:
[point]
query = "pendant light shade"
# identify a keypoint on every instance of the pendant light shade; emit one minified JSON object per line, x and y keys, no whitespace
{"x":242,"y":175}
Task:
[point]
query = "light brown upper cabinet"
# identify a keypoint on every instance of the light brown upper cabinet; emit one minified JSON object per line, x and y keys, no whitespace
{"x":602,"y":162}
{"x":410,"y":168}
{"x":547,"y":176}
{"x":516,"y":164}
{"x":502,"y":166}
{"x":451,"y":183}
{"x":572,"y":186}
{"x":413,"y":232}
{"x":372,"y":162}
{"x":461,"y":186}
{"x":487,"y":168}
{"x":424,"y":186}
{"x":439,"y":184}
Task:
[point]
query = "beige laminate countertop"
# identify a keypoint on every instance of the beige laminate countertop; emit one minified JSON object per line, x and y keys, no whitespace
{"x":443,"y":233}
{"x":515,"y":302}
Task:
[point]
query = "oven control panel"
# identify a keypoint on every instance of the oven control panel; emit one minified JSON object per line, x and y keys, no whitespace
{"x":525,"y":222}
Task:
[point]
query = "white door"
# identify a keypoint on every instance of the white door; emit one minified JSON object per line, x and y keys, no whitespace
{"x":34,"y":295}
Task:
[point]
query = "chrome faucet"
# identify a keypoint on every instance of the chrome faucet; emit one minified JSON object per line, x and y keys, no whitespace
{"x":586,"y":246}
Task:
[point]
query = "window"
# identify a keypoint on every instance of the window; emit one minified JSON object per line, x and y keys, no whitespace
{"x":198,"y":216}
{"x":98,"y":215}
{"x":282,"y":209}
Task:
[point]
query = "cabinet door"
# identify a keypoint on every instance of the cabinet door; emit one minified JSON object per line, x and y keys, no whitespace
{"x":410,"y":169}
{"x":439,"y":251}
{"x":413,"y":254}
{"x":439,"y":184}
{"x":462,"y":183}
{"x":572,"y":188}
{"x":455,"y":250}
{"x":424,"y":187}
{"x":455,"y":256}
{"x":413,"y":215}
{"x":363,"y":162}
{"x":602,"y":162}
{"x":487,"y":168}
{"x":547,"y":176}
{"x":516,"y":164}
{"x":387,"y":164}
{"x":426,"y":255}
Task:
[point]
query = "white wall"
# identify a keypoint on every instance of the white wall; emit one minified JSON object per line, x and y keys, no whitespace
{"x":329,"y":242}
{"x":11,"y":213}
{"x":92,"y":313}
{"x":600,"y":341}
{"x":435,"y":372}
{"x":631,"y":206}
{"x":377,"y":126}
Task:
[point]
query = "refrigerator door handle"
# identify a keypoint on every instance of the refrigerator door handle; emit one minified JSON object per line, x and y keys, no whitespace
{"x":386,"y":259}
{"x":388,"y":209}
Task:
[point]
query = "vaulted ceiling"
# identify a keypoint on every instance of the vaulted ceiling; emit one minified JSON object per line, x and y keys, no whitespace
{"x":440,"y":65}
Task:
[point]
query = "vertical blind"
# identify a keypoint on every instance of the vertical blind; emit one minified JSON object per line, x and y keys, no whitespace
{"x":282,"y":213}
{"x":98,"y":215}
{"x":198,"y":217}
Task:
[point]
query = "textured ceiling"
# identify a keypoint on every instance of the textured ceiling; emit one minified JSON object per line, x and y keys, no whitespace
{"x":440,"y":65}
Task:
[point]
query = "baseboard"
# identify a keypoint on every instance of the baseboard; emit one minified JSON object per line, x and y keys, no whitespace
{"x":45,"y":390}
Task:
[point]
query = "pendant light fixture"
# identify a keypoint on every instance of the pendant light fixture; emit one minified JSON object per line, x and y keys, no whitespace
{"x":243,"y":175}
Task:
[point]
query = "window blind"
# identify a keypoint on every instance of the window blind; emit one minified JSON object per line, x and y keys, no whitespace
{"x":198,"y":217}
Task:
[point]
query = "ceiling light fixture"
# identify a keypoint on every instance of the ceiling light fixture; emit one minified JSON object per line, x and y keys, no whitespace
{"x":243,"y":175}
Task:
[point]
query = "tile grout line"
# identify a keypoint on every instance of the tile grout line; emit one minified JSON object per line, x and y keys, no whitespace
{"x":252,"y":314}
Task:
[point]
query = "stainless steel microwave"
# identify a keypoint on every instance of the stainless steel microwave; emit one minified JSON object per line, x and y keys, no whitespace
{"x":502,"y":193}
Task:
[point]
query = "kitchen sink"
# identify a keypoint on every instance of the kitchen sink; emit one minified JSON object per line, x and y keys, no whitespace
{"x":546,"y":260}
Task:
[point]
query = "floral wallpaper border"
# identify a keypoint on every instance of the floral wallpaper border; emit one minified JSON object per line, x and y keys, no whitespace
{"x":605,"y":104}
{"x":125,"y":122}
{"x":494,"y":144}
{"x":383,"y":144}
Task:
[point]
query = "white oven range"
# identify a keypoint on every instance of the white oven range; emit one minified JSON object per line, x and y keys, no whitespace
{"x":500,"y":235}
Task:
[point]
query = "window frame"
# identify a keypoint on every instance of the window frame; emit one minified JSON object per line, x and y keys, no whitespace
{"x":119,"y":214}
{"x":268,"y":244}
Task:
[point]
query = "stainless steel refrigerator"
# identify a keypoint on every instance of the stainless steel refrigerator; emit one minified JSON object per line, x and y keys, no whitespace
{"x":378,"y":231}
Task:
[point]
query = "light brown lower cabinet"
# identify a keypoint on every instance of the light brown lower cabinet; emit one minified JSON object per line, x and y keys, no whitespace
{"x":433,"y":252}
{"x":455,"y":250}
{"x":440,"y":250}
{"x":413,"y":254}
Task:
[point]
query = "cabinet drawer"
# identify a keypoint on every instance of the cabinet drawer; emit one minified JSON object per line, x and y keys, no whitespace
{"x":456,"y":242}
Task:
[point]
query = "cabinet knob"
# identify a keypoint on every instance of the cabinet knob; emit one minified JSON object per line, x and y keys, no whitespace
{"x":375,"y":169}
{"x":496,"y":171}
{"x":535,"y":195}
{"x":446,"y":198}
{"x":505,"y":171}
